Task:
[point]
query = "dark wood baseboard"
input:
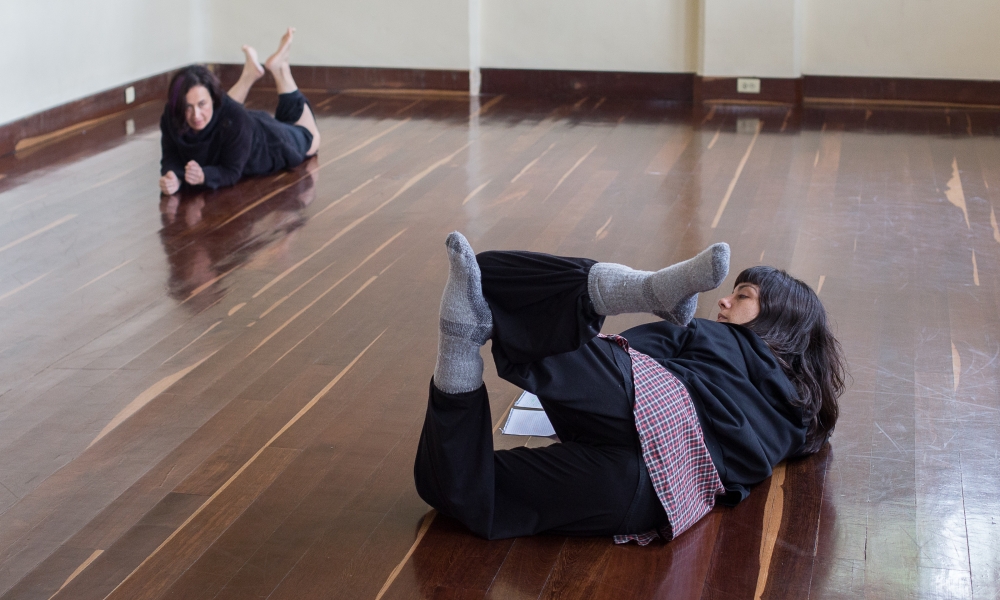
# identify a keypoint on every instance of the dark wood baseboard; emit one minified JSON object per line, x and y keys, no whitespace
{"x":73,"y":114}
{"x":335,"y":79}
{"x":687,"y":87}
{"x":538,"y":82}
{"x":817,"y":88}
{"x":677,"y":87}
{"x":773,"y":90}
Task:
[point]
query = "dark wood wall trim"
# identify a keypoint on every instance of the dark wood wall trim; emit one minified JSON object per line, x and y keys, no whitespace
{"x":540,"y":82}
{"x":85,"y":109}
{"x":680,"y":87}
{"x":815,"y":89}
{"x":687,"y":87}
{"x":109,"y":102}
{"x":896,"y":89}
{"x":334,"y":79}
{"x":773,"y":90}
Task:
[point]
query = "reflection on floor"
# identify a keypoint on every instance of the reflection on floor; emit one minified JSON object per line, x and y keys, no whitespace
{"x":218,"y":395}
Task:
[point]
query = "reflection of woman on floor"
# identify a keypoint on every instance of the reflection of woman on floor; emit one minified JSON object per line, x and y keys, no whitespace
{"x":198,"y":249}
{"x":654,"y":424}
{"x":210,"y":139}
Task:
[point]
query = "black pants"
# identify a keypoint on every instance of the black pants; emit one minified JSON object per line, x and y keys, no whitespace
{"x":593,"y":482}
{"x":289,"y":110}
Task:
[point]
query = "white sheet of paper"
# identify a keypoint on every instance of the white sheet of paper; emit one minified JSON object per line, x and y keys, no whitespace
{"x":528,"y":400}
{"x":526,"y":421}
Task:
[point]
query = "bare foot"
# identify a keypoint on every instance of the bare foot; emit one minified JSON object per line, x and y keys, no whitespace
{"x":252,"y":68}
{"x":280,"y":57}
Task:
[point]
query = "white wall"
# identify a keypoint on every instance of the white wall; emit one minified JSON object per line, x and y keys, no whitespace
{"x":55,"y":51}
{"x":593,"y":35}
{"x":422,"y":34}
{"x":948,"y":39}
{"x":750,"y":37}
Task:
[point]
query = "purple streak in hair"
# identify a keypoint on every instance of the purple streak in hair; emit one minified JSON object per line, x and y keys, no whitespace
{"x":176,"y":91}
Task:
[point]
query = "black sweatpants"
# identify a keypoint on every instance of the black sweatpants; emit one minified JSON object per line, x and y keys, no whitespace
{"x":289,"y":110}
{"x":594,"y":481}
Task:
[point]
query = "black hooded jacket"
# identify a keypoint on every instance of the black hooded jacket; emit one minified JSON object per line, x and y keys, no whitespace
{"x":237,"y":142}
{"x":742,"y":396}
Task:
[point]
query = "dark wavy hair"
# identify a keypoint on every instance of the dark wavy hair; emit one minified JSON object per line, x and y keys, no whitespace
{"x":793,"y":324}
{"x":181,"y":83}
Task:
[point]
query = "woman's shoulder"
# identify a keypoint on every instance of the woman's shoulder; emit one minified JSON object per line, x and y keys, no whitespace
{"x":726,"y":331}
{"x":232,"y":110}
{"x":720,"y":333}
{"x":706,"y":337}
{"x":232,"y":125}
{"x":166,"y":120}
{"x":761,"y":363}
{"x":735,"y":340}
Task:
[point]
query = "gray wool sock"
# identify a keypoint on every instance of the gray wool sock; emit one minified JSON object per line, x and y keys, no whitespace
{"x":670,"y":293}
{"x":466,"y":322}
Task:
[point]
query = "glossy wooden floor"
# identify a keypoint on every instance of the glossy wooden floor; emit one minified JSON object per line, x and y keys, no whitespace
{"x":219,"y":395}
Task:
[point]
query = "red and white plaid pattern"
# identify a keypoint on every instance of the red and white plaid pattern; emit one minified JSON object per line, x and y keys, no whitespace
{"x":673,"y":447}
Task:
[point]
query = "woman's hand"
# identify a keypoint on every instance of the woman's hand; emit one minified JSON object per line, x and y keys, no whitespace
{"x":169,"y":184}
{"x":193,"y":173}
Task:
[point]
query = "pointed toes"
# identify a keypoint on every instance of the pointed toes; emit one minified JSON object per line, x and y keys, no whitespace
{"x":455,"y":241}
{"x":682,"y":313}
{"x":720,"y":261}
{"x":459,"y":246}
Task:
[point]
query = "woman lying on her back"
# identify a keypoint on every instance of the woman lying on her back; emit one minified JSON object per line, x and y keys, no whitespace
{"x":654,"y":424}
{"x":210,"y":139}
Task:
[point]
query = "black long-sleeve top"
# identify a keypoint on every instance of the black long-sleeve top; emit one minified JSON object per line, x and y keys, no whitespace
{"x":742,"y":397}
{"x":237,"y":142}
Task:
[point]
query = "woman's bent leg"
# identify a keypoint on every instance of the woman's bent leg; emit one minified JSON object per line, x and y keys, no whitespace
{"x":252,"y":71}
{"x":546,"y":304}
{"x":292,"y":108}
{"x":308,"y":122}
{"x":453,"y":470}
{"x":539,"y":302}
{"x":571,"y":488}
{"x":544,"y":342}
{"x":279,"y":67}
{"x":587,"y":394}
{"x":670,"y":293}
{"x":593,"y":482}
{"x":277,"y":64}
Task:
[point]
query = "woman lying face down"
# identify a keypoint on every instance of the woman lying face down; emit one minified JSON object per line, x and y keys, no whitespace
{"x":655,"y":425}
{"x":198,"y":107}
{"x":209,"y":138}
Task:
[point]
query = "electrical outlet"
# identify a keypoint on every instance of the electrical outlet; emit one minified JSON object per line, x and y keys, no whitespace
{"x":130,"y":94}
{"x":129,"y":126}
{"x":747,"y":125}
{"x":748,"y":85}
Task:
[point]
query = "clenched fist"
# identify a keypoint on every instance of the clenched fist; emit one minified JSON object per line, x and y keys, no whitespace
{"x":169,"y":184}
{"x":193,"y":173}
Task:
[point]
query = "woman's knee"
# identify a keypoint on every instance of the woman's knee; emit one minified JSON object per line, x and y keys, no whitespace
{"x":314,"y":147}
{"x":424,"y":482}
{"x":469,"y":510}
